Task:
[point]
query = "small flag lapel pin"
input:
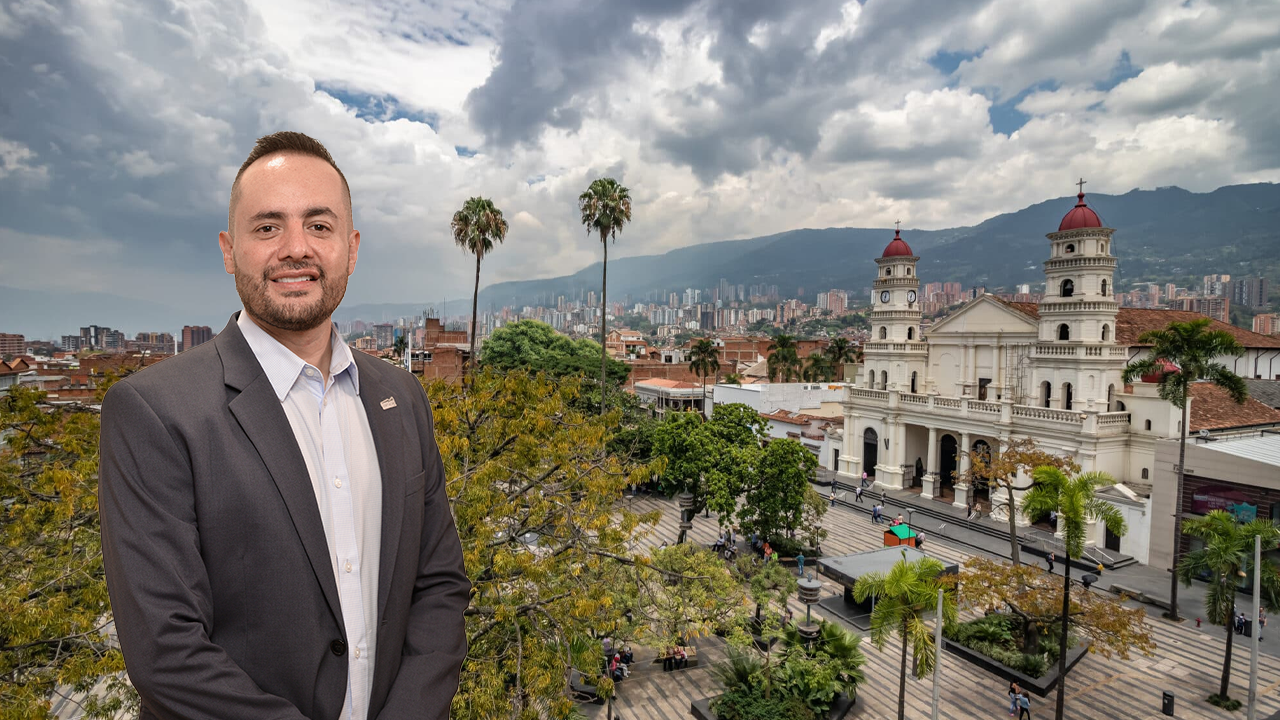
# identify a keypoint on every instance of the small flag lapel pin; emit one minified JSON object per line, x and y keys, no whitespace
{"x":388,"y":403}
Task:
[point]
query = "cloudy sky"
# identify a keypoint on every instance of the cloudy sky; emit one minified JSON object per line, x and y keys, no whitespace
{"x":122,"y":123}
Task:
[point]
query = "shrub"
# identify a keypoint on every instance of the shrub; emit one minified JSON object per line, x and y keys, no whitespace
{"x":749,"y":704}
{"x":998,"y":636}
{"x":790,"y":547}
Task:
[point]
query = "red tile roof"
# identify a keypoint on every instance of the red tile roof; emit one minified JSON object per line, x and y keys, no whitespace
{"x":1133,"y":322}
{"x":1213,"y":409}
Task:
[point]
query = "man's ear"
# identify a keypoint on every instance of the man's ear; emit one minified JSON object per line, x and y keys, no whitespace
{"x":228,"y":258}
{"x":353,"y":251}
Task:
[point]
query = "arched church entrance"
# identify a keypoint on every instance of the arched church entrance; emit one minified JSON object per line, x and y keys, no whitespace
{"x":981,"y":489}
{"x":870,"y":452}
{"x":947,"y":463}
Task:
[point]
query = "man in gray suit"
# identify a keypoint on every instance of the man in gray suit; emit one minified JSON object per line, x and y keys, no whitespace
{"x":276,"y":534}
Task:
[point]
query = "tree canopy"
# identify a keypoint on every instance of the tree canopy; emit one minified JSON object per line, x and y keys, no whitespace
{"x":537,"y":347}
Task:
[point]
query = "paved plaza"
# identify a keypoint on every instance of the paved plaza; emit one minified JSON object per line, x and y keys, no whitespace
{"x":1187,"y":662}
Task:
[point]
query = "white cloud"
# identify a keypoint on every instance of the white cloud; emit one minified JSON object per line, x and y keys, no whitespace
{"x":725,"y":119}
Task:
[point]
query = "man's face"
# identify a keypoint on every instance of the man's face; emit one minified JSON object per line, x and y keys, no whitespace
{"x":292,"y":246}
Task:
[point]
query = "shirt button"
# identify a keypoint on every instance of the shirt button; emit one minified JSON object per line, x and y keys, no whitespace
{"x":348,"y":566}
{"x":357,"y":653}
{"x":311,"y":373}
{"x":337,"y":482}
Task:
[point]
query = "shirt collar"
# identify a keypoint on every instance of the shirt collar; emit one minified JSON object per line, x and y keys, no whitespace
{"x":282,"y":366}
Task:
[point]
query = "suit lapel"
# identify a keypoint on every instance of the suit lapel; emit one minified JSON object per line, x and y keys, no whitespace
{"x":260,"y":415}
{"x":387,"y":425}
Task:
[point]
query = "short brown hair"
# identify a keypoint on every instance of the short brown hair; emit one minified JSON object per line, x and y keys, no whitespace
{"x":284,"y":141}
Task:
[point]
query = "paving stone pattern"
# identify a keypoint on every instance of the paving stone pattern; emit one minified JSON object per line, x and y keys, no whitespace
{"x":1187,"y":662}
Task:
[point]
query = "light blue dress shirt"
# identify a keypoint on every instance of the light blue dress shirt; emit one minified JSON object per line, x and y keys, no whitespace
{"x":333,"y":434}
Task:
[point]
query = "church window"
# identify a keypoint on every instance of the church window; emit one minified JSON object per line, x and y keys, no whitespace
{"x":1046,"y":391}
{"x":911,"y":333}
{"x":884,"y":379}
{"x":913,"y":383}
{"x":884,"y":333}
{"x":1146,"y":474}
{"x":1068,"y":288}
{"x":1064,"y":332}
{"x":888,"y":271}
{"x":1106,"y":330}
{"x":1148,"y":426}
{"x":871,"y":379}
{"x":908,"y":271}
{"x":1103,"y":249}
{"x":1066,"y":396}
{"x":1070,"y":248}
{"x":1104,"y":287}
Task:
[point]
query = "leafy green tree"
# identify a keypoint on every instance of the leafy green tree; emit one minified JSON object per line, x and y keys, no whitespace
{"x":1076,"y":504}
{"x":54,"y":609}
{"x":605,"y":208}
{"x":820,"y":670}
{"x":477,"y":228}
{"x":401,"y":344}
{"x":549,"y":547}
{"x":537,"y":347}
{"x":784,"y":359}
{"x":773,"y":503}
{"x":1227,"y":555}
{"x":704,"y":360}
{"x":1193,"y":350}
{"x":902,"y":598}
{"x":733,"y":379}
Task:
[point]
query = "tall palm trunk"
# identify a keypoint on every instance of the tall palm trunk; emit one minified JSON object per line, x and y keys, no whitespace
{"x":1062,"y":641}
{"x":902,"y":675}
{"x":604,"y":287}
{"x":1013,"y":523}
{"x":475,"y":299}
{"x":1226,"y":660}
{"x":1177,"y":517}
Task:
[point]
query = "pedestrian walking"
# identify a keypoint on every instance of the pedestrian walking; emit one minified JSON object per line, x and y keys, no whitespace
{"x":875,"y":514}
{"x":857,"y":495}
{"x":833,"y":496}
{"x":1053,"y":520}
{"x":1262,"y":622}
{"x":1014,"y":692}
{"x":882,"y":497}
{"x":800,"y":564}
{"x":1099,"y":568}
{"x":919,"y":541}
{"x":1050,"y":561}
{"x":864,"y":478}
{"x":1024,"y":706}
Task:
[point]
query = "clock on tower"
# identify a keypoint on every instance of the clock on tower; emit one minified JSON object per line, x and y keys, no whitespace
{"x":911,"y":296}
{"x":884,"y":296}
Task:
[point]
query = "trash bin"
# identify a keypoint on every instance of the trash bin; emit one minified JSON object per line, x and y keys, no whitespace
{"x":1248,"y":628}
{"x":1166,"y":705}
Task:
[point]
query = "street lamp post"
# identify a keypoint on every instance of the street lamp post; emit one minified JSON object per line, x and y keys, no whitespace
{"x":685,"y":502}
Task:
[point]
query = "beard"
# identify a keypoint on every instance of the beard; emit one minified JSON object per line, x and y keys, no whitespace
{"x":255,"y":293}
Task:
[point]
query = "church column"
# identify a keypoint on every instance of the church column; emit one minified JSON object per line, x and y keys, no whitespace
{"x":931,"y":471}
{"x":973,"y":369}
{"x":961,"y":487}
{"x":997,"y":379}
{"x":853,"y":445}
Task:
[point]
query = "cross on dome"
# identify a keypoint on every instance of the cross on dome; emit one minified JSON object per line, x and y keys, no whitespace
{"x":1081,"y":185}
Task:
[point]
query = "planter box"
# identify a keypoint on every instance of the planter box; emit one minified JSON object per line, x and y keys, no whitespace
{"x":1039,"y":686}
{"x":845,"y":707}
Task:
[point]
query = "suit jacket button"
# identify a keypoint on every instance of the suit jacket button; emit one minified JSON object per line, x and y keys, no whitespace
{"x":338,"y":647}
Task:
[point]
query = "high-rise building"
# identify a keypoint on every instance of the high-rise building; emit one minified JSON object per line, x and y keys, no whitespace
{"x":1216,"y":285}
{"x":1266,"y":323}
{"x":1250,"y":292}
{"x":195,"y":335}
{"x":12,"y":344}
{"x":384,"y":335}
{"x":1217,"y":308}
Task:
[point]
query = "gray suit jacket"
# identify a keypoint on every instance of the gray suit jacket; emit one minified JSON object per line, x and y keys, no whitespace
{"x":216,"y":558}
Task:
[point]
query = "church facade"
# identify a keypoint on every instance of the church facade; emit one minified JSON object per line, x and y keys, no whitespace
{"x":997,"y":371}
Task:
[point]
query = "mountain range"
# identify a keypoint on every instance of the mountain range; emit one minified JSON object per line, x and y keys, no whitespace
{"x":1162,"y":235}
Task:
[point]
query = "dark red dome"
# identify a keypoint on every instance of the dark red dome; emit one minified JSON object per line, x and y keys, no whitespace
{"x":897,"y":246}
{"x":1079,"y":217}
{"x":1166,"y":367}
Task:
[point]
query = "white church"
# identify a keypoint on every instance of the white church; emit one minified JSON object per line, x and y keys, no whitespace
{"x":995,"y":371}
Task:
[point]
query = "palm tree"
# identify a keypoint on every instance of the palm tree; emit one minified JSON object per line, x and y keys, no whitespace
{"x":1227,"y":554}
{"x":902,"y":597}
{"x":1075,"y":502}
{"x":784,"y":359}
{"x":733,"y":379}
{"x":401,"y":344}
{"x":476,"y":228}
{"x":1194,"y":350}
{"x":841,"y":351}
{"x":605,"y":207}
{"x":818,"y":367}
{"x":704,"y":359}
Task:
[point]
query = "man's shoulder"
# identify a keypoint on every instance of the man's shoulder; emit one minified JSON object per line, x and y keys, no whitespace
{"x":179,"y":378}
